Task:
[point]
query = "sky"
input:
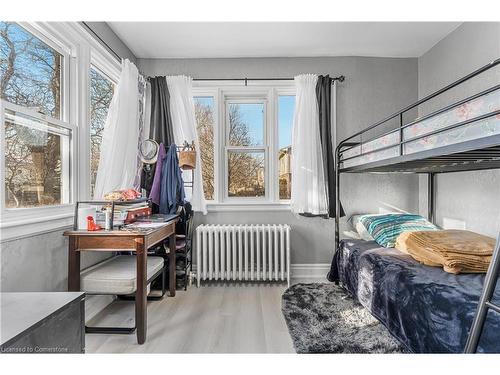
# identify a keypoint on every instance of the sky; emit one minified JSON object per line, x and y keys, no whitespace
{"x":286,"y":108}
{"x":252,"y":115}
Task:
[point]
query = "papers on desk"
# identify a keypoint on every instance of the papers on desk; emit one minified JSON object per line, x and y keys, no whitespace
{"x":144,"y":225}
{"x":157,"y":218}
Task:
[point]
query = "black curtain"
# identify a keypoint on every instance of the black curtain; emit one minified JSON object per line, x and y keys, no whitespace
{"x":161,"y":120}
{"x":160,"y":125}
{"x":324,"y":97}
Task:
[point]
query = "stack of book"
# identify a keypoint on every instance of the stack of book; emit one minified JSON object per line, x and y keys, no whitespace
{"x":131,"y":212}
{"x":125,"y":213}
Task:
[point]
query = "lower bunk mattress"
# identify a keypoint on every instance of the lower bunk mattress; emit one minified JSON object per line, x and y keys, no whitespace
{"x":425,"y":308}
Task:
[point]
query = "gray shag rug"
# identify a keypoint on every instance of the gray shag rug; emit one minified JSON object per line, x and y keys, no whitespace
{"x":323,"y":318}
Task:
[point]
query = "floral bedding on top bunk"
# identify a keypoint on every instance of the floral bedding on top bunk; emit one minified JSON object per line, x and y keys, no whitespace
{"x":468,"y":110}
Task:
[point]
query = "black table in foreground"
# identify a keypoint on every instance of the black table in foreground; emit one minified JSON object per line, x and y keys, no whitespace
{"x":42,"y":322}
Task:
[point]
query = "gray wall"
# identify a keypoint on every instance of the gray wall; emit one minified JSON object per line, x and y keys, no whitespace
{"x":104,"y":32}
{"x":470,"y":199}
{"x":38,"y":263}
{"x":374,"y":87}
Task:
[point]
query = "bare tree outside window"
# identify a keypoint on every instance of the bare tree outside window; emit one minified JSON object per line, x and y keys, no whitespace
{"x":101,"y":94}
{"x":33,"y":162}
{"x":246,"y":176}
{"x":30,"y":71}
{"x":246,"y":173}
{"x":204,"y":111}
{"x":245,"y":169}
{"x":30,"y":76}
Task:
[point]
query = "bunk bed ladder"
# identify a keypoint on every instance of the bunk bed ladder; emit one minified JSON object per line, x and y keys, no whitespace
{"x":485,"y":302}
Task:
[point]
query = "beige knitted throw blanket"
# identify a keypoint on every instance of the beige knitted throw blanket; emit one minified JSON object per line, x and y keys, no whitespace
{"x":457,"y":251}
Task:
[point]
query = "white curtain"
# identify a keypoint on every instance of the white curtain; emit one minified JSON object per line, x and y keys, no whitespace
{"x":119,"y":152}
{"x":184,"y":129}
{"x":308,"y":180}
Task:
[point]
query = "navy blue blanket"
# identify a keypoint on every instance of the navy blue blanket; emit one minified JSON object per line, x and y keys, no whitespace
{"x":425,"y":308}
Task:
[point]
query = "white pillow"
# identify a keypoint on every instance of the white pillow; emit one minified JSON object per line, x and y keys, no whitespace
{"x":360,"y":228}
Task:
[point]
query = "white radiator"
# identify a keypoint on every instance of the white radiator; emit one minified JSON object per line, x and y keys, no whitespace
{"x":243,"y":253}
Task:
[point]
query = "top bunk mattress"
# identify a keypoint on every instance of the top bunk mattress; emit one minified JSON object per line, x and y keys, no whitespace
{"x":425,"y":308}
{"x":480,"y":106}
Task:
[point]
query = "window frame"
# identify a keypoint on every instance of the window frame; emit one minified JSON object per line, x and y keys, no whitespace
{"x":97,"y":56}
{"x":280,"y":91}
{"x":223,"y":91}
{"x":215,"y":94}
{"x":80,"y":51}
{"x":105,"y":70}
{"x":264,"y":148}
{"x":9,"y":214}
{"x":12,"y":217}
{"x":50,"y":37}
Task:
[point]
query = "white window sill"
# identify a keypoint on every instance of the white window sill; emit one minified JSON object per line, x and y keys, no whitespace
{"x":247,"y":206}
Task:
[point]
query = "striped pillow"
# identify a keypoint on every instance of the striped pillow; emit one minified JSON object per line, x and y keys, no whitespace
{"x":385,"y":229}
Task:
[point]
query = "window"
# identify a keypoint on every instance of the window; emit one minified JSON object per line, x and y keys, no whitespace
{"x":205,"y":111}
{"x":246,"y":176}
{"x":245,"y":149}
{"x":30,"y":71}
{"x":37,"y":140}
{"x":245,"y":136}
{"x":101,"y":94}
{"x":36,"y":161}
{"x":246,"y":124}
{"x":286,"y":108}
{"x":50,"y":130}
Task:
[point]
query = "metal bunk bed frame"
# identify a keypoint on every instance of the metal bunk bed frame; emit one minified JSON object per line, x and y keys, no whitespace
{"x":477,"y":154}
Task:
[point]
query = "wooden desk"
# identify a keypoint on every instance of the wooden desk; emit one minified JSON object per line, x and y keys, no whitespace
{"x":124,"y":240}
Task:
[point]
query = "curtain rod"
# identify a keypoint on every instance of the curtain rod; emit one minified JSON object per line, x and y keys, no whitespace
{"x":103,"y":42}
{"x":339,"y":78}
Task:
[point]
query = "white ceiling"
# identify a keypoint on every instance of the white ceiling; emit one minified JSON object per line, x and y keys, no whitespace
{"x":280,"y":39}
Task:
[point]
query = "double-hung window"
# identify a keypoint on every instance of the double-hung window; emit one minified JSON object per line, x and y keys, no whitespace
{"x":245,"y":138}
{"x":36,"y":132}
{"x":56,"y":86}
{"x":245,"y":148}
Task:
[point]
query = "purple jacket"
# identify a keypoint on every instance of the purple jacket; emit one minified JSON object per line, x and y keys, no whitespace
{"x":154,"y":194}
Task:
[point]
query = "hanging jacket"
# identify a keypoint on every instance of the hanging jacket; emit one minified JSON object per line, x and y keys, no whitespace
{"x":154,"y":195}
{"x":172,"y":186}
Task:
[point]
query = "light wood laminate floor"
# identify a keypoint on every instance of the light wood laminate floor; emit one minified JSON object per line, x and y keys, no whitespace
{"x":215,"y":318}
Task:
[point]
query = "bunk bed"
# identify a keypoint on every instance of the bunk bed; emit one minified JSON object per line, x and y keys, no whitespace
{"x":425,"y":308}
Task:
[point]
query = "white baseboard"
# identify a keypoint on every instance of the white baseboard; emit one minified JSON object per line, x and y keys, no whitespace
{"x":304,"y":270}
{"x":309,"y":270}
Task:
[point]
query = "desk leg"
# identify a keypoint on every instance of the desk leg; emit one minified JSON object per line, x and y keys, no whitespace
{"x":73,"y":266}
{"x":141,"y":294}
{"x":171,"y":271}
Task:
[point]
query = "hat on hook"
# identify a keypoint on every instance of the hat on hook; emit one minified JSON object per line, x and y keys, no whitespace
{"x":148,"y":151}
